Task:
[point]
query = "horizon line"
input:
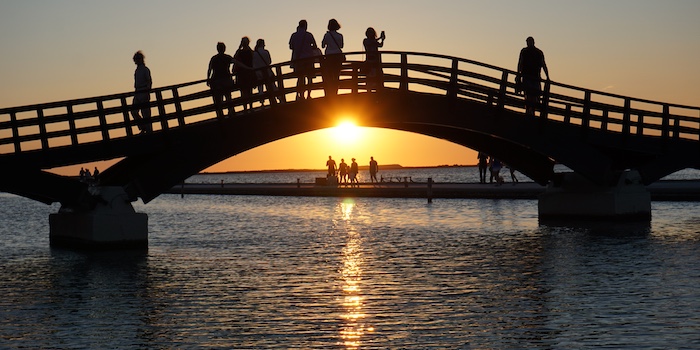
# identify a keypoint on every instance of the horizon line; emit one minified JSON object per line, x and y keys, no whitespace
{"x":363,"y":167}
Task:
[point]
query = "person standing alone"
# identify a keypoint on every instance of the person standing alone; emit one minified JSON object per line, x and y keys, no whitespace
{"x":373,"y":169}
{"x":142,"y":94}
{"x":530,"y":64}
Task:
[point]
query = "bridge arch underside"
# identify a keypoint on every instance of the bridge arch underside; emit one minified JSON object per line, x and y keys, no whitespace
{"x":154,"y":163}
{"x":527,"y":143}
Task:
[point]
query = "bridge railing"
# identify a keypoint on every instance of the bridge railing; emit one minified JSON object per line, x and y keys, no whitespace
{"x":589,"y":109}
{"x":106,"y":118}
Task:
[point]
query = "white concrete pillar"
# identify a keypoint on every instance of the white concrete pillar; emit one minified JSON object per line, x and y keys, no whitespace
{"x":577,"y":198}
{"x":112,"y":223}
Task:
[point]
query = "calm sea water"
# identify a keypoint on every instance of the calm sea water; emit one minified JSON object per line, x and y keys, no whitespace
{"x":248,"y":272}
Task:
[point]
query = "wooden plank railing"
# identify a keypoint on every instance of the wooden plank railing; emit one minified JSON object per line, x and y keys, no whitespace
{"x":105,"y":118}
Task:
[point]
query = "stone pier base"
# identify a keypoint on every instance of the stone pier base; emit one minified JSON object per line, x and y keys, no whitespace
{"x":576,"y":198}
{"x":111,"y":223}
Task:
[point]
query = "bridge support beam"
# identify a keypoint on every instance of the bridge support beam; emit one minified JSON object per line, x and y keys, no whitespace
{"x":109,"y":223}
{"x":576,"y":198}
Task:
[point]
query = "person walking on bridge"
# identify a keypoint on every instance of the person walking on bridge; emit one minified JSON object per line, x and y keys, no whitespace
{"x":219,"y":79}
{"x":142,"y":95}
{"x":530,"y":65}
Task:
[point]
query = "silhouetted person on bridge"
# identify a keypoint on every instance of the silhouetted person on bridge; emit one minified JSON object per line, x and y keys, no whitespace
{"x":303,"y":44}
{"x":373,"y":60}
{"x":330,"y":164}
{"x":142,"y":95}
{"x":373,"y":169}
{"x":483,"y":166}
{"x":530,"y":64}
{"x":263,"y":73}
{"x":333,"y":43}
{"x":220,"y":80}
{"x":243,"y":69}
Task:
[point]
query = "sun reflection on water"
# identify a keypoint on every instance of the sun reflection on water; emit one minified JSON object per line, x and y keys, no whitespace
{"x":354,"y":328}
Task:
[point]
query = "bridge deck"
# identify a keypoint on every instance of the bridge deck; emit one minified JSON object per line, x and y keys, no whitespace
{"x":594,"y":133}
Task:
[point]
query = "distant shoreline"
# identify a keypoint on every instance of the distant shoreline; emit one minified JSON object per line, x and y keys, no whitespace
{"x":361,"y":167}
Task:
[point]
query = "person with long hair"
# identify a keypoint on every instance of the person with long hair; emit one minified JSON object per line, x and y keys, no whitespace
{"x":373,"y":60}
{"x":333,"y":43}
{"x":243,"y":69}
{"x":263,"y":73}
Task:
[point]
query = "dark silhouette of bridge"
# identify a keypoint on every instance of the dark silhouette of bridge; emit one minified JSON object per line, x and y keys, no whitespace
{"x":596,"y":134}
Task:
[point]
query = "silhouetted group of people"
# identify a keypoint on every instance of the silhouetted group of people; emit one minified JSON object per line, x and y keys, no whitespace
{"x":87,"y":177}
{"x":246,"y":70}
{"x":250,"y":72}
{"x":494,"y":167}
{"x":344,"y":173}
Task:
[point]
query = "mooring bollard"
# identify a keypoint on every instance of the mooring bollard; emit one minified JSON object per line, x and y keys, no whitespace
{"x":430,"y":190}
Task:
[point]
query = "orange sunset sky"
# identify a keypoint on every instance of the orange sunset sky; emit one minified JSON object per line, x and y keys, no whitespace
{"x":61,"y":50}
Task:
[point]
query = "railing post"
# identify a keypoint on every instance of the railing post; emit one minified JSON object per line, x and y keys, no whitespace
{"x":127,"y":119}
{"x":665,"y":132}
{"x":626,"y":117}
{"x":586,"y":122}
{"x":15,"y":132}
{"x":42,"y":129}
{"x":452,"y":89}
{"x":280,"y":85}
{"x":355,"y":78}
{"x":71,"y":125}
{"x":604,"y":122}
{"x":640,"y":124}
{"x":103,"y":121}
{"x":161,"y":111}
{"x":567,"y":116}
{"x":403,"y":85}
{"x":544,"y":112}
{"x":676,"y":128}
{"x":502,"y":90}
{"x":178,"y":108}
{"x":586,"y":115}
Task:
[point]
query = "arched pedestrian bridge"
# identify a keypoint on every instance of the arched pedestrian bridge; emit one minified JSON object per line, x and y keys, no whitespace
{"x":598,"y":135}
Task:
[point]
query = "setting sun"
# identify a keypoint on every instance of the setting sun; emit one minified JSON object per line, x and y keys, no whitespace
{"x":346,"y":133}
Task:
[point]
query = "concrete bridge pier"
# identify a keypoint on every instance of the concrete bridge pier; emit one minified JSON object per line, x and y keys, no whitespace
{"x":574,"y":197}
{"x":108,"y":222}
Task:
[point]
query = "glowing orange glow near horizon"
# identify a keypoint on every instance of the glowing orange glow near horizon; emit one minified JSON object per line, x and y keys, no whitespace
{"x":346,"y":133}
